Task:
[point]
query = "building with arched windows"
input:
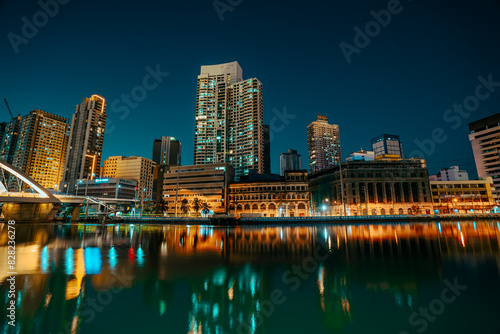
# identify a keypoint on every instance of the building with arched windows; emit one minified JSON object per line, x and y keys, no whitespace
{"x":271,"y":195}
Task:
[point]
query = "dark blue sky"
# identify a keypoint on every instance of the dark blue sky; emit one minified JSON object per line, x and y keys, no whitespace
{"x":426,"y":59}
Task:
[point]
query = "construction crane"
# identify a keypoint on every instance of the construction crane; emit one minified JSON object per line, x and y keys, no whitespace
{"x":8,"y":108}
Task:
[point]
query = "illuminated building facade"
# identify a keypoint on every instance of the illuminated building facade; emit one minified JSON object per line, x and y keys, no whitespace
{"x":86,"y":137}
{"x":324,"y":144}
{"x":484,"y":136}
{"x":9,"y":140}
{"x":229,"y":119}
{"x":387,"y":144}
{"x":167,"y":151}
{"x":41,"y":147}
{"x":373,"y":188}
{"x":208,"y":183}
{"x":463,"y":196}
{"x":271,"y":195}
{"x":107,"y":188}
{"x":137,"y":169}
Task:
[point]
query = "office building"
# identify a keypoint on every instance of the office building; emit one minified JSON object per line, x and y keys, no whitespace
{"x":167,"y":151}
{"x":158,"y":174}
{"x":208,"y":182}
{"x":9,"y":140}
{"x":450,"y":174}
{"x":290,"y":161}
{"x":362,"y":155}
{"x":137,"y":169}
{"x":464,"y":196}
{"x":107,"y":188}
{"x":372,"y":187}
{"x":229,"y":119}
{"x":484,"y":136}
{"x":86,"y":137}
{"x":387,"y":144}
{"x":324,"y":144}
{"x":41,"y":147}
{"x":271,"y":195}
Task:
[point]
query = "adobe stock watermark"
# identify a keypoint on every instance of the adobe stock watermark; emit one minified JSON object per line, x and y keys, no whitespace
{"x":456,"y":115}
{"x":293,"y":279}
{"x":222,"y":6}
{"x":425,"y":315}
{"x":91,"y":306}
{"x":363,"y":38}
{"x":48,"y":9}
{"x":279,"y":122}
{"x":139,"y":93}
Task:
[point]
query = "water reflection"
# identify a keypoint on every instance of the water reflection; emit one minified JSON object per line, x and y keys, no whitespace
{"x":201,"y":279}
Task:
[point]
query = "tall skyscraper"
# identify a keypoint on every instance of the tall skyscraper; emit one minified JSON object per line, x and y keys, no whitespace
{"x":290,"y":161}
{"x":86,"y":137}
{"x":229,"y":119}
{"x":387,"y":144}
{"x":41,"y":147}
{"x":167,"y":151}
{"x":9,"y":140}
{"x":324,"y":144}
{"x":137,"y":169}
{"x":484,"y":136}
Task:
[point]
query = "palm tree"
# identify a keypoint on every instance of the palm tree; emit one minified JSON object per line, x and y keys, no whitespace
{"x":205,"y":207}
{"x":161,"y":206}
{"x":196,"y":204}
{"x":185,"y":207}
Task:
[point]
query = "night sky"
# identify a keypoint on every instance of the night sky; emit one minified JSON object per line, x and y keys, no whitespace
{"x":425,"y":60}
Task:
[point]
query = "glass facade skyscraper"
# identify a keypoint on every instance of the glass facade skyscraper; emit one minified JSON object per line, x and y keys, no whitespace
{"x":229,"y":119}
{"x":86,"y":137}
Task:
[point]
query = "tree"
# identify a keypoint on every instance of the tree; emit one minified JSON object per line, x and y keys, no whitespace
{"x":185,"y":207}
{"x":196,"y":205}
{"x":161,"y":206}
{"x":415,"y":209}
{"x":205,"y":207}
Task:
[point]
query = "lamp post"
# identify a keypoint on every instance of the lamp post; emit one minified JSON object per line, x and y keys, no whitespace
{"x":453,"y":202}
{"x":117,"y":190}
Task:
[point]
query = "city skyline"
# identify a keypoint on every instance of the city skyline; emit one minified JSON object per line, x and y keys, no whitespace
{"x":376,"y":93}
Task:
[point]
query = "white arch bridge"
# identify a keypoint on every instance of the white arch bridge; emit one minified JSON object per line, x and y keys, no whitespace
{"x":25,"y":200}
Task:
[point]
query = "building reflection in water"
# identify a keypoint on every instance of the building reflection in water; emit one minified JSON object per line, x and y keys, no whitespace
{"x":231,"y":272}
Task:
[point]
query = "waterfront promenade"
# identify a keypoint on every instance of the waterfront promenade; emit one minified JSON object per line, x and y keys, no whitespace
{"x":156,"y":219}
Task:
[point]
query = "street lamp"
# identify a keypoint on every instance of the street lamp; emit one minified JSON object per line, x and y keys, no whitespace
{"x":454,"y":201}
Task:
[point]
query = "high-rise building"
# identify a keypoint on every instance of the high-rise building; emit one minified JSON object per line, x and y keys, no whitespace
{"x":86,"y":137}
{"x":484,"y":136}
{"x":290,"y":161}
{"x":387,"y":144}
{"x":41,"y":147}
{"x":324,"y":144}
{"x":229,"y":119}
{"x":167,"y":151}
{"x":132,"y":168}
{"x":9,"y":140}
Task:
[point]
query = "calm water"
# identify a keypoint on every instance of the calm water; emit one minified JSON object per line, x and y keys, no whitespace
{"x":409,"y":278}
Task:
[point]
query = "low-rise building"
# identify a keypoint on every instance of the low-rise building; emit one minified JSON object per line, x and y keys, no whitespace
{"x":465,"y":196}
{"x":271,"y":195}
{"x":107,"y":188}
{"x":138,"y":169}
{"x":377,"y":187}
{"x":450,"y":174}
{"x":209,"y":183}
